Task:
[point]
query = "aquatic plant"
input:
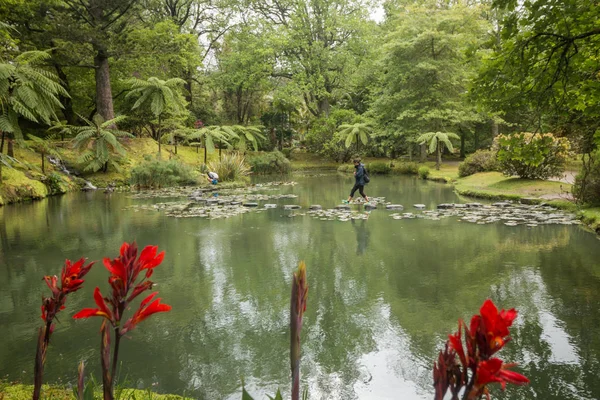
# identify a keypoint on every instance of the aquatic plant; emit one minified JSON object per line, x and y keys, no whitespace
{"x":124,"y":272}
{"x":467,"y":373}
{"x":71,"y":280}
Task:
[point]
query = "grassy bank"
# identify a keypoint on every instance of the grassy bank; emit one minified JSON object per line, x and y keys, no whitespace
{"x":24,"y":392}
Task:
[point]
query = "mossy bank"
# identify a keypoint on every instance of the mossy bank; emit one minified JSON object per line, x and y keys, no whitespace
{"x":17,"y":391}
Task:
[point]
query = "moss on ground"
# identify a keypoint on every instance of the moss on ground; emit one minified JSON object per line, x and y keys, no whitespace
{"x":591,"y":217}
{"x":494,"y":185}
{"x":20,"y":186}
{"x":24,"y":392}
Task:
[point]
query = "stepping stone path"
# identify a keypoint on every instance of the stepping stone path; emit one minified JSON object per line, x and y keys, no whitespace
{"x":291,"y":207}
{"x":270,"y":205}
{"x":250,"y":204}
{"x":394,"y":207}
{"x":315,"y":207}
{"x":370,"y":206}
{"x":343,"y":207}
{"x":419,"y":206}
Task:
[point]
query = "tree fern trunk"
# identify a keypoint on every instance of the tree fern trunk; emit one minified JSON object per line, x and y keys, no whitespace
{"x":10,"y":150}
{"x":220,"y":145}
{"x":439,"y":157}
{"x":159,"y":133}
{"x":43,"y":165}
{"x":205,"y":152}
{"x":2,"y":143}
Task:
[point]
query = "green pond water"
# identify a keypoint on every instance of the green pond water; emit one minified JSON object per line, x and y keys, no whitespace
{"x":383,"y":295}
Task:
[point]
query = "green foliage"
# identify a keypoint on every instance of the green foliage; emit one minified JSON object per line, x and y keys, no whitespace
{"x":322,"y":139}
{"x":408,"y":168}
{"x":244,"y":136}
{"x":270,"y":163}
{"x":532,"y":155}
{"x":157,"y":94}
{"x":27,"y":90}
{"x":587,"y":183}
{"x":98,"y":143}
{"x":56,"y":183}
{"x":436,"y":142}
{"x":231,"y":167}
{"x":355,"y":133}
{"x":156,"y":173}
{"x":480,"y":161}
{"x":379,"y":167}
{"x":423,"y":172}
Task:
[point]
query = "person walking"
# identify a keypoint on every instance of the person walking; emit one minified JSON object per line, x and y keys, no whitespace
{"x":360,"y":180}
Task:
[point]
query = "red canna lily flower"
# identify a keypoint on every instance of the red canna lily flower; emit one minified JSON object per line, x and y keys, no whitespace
{"x":492,"y":326}
{"x":457,"y":345}
{"x":493,"y":370}
{"x":101,"y":311}
{"x":72,"y":274}
{"x":147,"y":308}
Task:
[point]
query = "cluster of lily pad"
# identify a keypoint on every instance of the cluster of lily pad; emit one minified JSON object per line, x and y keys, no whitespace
{"x":511,"y":214}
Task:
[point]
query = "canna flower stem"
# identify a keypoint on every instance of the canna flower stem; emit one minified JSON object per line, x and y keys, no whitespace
{"x":115,"y":359}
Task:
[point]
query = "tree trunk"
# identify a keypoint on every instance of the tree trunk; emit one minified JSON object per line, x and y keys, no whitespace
{"x":220,"y":145}
{"x":104,"y":102}
{"x":105,"y":168}
{"x":66,"y":101}
{"x":423,"y":152}
{"x":188,"y":88}
{"x":494,"y":129}
{"x":2,"y":144}
{"x":324,"y":106}
{"x":357,"y":144}
{"x":476,"y":135}
{"x":462,"y":143}
{"x":158,"y":135}
{"x":175,"y":144}
{"x":10,"y":150}
{"x":205,"y":152}
{"x":439,"y":157}
{"x":43,"y":165}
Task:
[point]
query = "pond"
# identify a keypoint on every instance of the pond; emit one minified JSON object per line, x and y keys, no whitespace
{"x":384,"y":293}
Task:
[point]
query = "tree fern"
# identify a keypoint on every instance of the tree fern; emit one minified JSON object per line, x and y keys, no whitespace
{"x":436,"y":142}
{"x":98,"y":143}
{"x":353,"y":133}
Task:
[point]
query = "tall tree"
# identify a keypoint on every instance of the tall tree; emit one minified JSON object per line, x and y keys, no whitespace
{"x":428,"y":63}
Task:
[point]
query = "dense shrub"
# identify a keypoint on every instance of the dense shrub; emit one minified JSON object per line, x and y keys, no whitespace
{"x":408,"y":167}
{"x":231,"y":167}
{"x":480,"y":161}
{"x":322,"y":138}
{"x":345,"y":168}
{"x":270,"y":163}
{"x":587,"y":183}
{"x":153,"y":173}
{"x":56,"y":183}
{"x":423,"y":172}
{"x":532,"y":155}
{"x":379,"y":167}
{"x":287,"y":152}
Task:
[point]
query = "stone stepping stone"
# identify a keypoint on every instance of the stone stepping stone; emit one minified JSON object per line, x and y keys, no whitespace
{"x":270,"y":205}
{"x":235,"y":203}
{"x":445,"y":206}
{"x":394,"y":207}
{"x":342,"y":207}
{"x":419,"y":206}
{"x":212,"y":202}
{"x":502,"y":204}
{"x":370,"y":206}
{"x":474,"y":205}
{"x":315,"y":207}
{"x":250,"y":204}
{"x":460,"y":206}
{"x":291,"y":207}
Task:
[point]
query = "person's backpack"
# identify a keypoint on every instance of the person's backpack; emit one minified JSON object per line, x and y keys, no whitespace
{"x":366,"y":175}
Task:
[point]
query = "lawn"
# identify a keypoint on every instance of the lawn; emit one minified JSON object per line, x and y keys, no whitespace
{"x":496,"y":185}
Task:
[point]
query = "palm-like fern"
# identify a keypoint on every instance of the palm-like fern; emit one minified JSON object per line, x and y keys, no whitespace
{"x":245,"y":135}
{"x":436,"y":142}
{"x":355,"y":133}
{"x":98,"y":143}
{"x":207,"y":136}
{"x":44,"y":147}
{"x":161,"y":96}
{"x":28,"y":91}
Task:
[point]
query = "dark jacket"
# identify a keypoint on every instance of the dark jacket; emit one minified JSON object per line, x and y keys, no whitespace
{"x":360,"y":174}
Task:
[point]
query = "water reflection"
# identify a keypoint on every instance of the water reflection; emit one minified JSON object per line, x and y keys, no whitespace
{"x":362,"y":236}
{"x":383,"y":296}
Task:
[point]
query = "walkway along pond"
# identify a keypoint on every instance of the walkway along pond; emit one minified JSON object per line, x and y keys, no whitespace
{"x":387,"y":285}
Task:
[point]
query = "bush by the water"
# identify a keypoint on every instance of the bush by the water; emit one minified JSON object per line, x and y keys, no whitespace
{"x":424,"y":172}
{"x":231,"y":167}
{"x":532,"y":155}
{"x":409,"y":167}
{"x":379,"y":167}
{"x":480,"y":161}
{"x":270,"y":163}
{"x":587,"y":183}
{"x":154,"y":173}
